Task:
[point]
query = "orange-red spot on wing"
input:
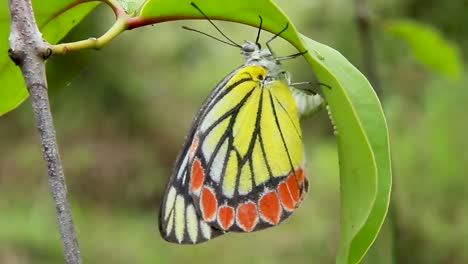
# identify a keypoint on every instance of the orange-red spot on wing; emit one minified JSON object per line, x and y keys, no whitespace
{"x":285,"y":196}
{"x":300,"y":176}
{"x":225,"y":216}
{"x":208,"y":204}
{"x":270,"y":208}
{"x":247,"y":216}
{"x":293,"y":187}
{"x":198,"y":176}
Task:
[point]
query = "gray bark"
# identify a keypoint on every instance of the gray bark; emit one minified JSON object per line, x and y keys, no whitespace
{"x":29,"y":51}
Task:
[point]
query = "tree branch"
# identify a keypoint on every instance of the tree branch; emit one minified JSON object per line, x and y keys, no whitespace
{"x":29,"y":51}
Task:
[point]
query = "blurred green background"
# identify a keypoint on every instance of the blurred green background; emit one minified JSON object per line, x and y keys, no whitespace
{"x":122,"y":113}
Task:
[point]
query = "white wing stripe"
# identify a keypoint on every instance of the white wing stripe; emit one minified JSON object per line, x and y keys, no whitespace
{"x":192,"y":223}
{"x":179,"y":218}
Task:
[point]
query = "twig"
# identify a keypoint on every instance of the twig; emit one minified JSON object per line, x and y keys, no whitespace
{"x":119,"y":26}
{"x":29,"y":51}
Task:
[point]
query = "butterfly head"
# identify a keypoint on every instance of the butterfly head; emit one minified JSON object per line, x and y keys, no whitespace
{"x":255,"y":55}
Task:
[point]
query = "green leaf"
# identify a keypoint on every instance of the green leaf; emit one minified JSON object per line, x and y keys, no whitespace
{"x":245,"y":12}
{"x":429,"y":46}
{"x":362,"y":131}
{"x":365,"y":172}
{"x":53,"y":25}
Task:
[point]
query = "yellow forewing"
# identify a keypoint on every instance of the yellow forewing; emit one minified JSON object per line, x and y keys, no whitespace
{"x":276,"y":153}
{"x":291,"y":133}
{"x":284,"y":100}
{"x":245,"y":123}
{"x":287,"y":122}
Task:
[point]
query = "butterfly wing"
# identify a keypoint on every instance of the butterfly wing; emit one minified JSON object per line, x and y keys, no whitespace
{"x":241,"y":167}
{"x":179,"y":221}
{"x":247,"y":166}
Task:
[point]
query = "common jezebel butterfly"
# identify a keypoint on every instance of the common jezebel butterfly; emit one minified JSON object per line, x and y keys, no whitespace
{"x":242,"y":166}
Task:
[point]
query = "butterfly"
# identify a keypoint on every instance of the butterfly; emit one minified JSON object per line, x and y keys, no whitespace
{"x":242,"y":166}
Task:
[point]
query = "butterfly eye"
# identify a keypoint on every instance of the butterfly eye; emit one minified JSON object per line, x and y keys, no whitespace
{"x":248,"y":49}
{"x":260,"y":77}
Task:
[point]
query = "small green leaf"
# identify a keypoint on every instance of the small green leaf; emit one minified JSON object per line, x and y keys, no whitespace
{"x":53,"y":25}
{"x":130,"y":6}
{"x":362,"y":131}
{"x":429,"y":46}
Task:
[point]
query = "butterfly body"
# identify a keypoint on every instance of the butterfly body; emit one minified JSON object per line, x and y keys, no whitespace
{"x":242,"y":166}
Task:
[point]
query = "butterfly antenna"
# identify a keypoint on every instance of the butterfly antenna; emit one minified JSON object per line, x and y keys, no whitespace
{"x":324,"y":85}
{"x":211,"y":22}
{"x":286,"y":57}
{"x":293,"y":56}
{"x":275,"y":36}
{"x":208,"y":35}
{"x":279,"y":33}
{"x":259,"y":30}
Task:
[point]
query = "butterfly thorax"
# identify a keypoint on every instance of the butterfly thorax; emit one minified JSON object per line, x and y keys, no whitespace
{"x":255,"y":55}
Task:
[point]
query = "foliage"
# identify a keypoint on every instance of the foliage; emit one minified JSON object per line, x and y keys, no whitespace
{"x":53,"y":25}
{"x":429,"y":47}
